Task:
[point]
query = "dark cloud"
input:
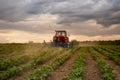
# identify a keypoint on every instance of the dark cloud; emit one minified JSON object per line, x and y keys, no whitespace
{"x":101,"y":10}
{"x":104,"y":12}
{"x":68,"y":10}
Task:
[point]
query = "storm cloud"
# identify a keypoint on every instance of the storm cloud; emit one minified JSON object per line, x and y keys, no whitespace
{"x":105,"y":12}
{"x":84,"y":17}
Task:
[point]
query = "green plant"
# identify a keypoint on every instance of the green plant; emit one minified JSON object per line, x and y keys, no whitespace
{"x":10,"y":62}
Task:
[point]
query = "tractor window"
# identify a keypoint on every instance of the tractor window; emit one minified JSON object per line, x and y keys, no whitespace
{"x":60,"y":34}
{"x":63,"y":34}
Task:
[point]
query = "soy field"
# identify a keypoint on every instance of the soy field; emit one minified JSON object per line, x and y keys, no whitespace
{"x":35,"y":62}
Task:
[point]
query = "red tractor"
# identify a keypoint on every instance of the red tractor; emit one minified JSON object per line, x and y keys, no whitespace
{"x":61,"y":39}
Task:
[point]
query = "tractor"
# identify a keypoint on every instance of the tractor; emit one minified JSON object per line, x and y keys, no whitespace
{"x":60,"y":39}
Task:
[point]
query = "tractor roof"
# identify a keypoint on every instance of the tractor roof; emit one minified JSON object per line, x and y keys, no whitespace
{"x":60,"y":31}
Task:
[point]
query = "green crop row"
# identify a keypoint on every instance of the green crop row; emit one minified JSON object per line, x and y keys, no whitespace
{"x":44,"y":71}
{"x":77,"y":67}
{"x":41,"y":59}
{"x":16,"y":61}
{"x":17,"y":69}
{"x":110,"y":55}
{"x":106,"y":69}
{"x":114,"y":53}
{"x":10,"y":48}
{"x":10,"y":62}
{"x":115,"y":48}
{"x":111,"y":47}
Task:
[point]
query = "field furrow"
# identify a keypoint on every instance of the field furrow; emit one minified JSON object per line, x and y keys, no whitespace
{"x":105,"y":68}
{"x":43,"y":72}
{"x":92,"y":71}
{"x":115,"y":66}
{"x":37,"y":62}
{"x":64,"y":69}
{"x":111,"y":56}
{"x":76,"y":73}
{"x":28,"y":71}
{"x":29,"y":66}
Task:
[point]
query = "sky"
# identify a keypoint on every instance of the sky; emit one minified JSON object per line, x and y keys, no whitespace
{"x":36,"y":20}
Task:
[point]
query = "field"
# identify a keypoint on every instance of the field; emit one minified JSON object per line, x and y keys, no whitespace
{"x":35,"y":62}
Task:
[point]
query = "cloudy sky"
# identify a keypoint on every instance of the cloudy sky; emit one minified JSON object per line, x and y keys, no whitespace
{"x":36,"y":20}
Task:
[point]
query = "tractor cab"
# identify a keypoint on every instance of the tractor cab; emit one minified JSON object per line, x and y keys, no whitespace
{"x":60,"y":33}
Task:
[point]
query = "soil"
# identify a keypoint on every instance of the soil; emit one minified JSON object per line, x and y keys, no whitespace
{"x":64,"y":69}
{"x":92,"y":71}
{"x":26,"y":72}
{"x":115,"y":66}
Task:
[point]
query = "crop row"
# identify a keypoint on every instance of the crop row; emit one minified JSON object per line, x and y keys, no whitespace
{"x":10,"y":62}
{"x":106,"y":69}
{"x":109,"y":55}
{"x":16,"y":61}
{"x":10,"y":48}
{"x":44,"y":71}
{"x":17,"y":69}
{"x":111,"y":50}
{"x":77,"y":67}
{"x":115,"y":48}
